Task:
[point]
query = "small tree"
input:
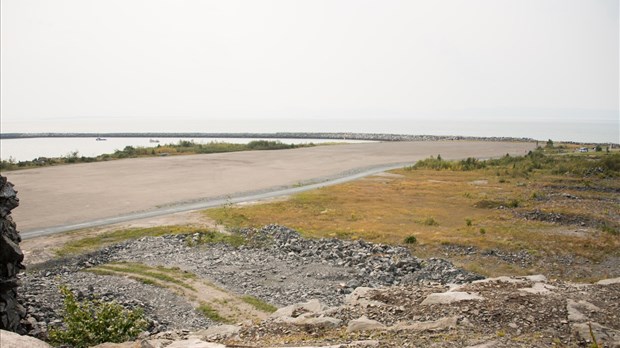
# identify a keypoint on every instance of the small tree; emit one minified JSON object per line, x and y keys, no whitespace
{"x":91,"y":322}
{"x":549,"y":144}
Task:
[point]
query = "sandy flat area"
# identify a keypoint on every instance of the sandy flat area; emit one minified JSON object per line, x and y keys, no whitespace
{"x":70,"y":194}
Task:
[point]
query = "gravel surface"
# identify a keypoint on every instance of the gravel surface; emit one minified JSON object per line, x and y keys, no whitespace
{"x":277,"y":266}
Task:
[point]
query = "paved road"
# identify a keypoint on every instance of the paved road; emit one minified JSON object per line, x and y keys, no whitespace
{"x":62,"y":198}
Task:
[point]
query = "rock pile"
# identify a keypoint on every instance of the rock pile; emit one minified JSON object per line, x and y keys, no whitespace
{"x":498,"y":312}
{"x":374,"y":264}
{"x":276,"y":265}
{"x":11,"y":257}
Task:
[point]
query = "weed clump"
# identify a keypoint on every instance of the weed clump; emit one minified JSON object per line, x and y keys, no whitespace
{"x":411,"y":239}
{"x":259,"y":304}
{"x":210,"y":312}
{"x":91,"y":322}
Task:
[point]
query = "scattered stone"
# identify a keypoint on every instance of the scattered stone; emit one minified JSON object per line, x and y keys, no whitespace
{"x":156,"y":343}
{"x":295,"y":310}
{"x":575,"y":309}
{"x":539,"y":289}
{"x":490,"y":344}
{"x":317,"y":322}
{"x":119,"y":345}
{"x":604,"y":335}
{"x":361,"y":297}
{"x":449,"y":297}
{"x":217,"y":332}
{"x":195,"y":343}
{"x":434,"y":325}
{"x":364,"y":324}
{"x":609,"y":281}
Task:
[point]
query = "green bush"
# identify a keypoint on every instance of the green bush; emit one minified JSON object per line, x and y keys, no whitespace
{"x":91,"y":322}
{"x":411,"y":239}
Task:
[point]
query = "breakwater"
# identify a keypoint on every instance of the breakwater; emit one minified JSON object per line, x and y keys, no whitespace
{"x":288,"y":135}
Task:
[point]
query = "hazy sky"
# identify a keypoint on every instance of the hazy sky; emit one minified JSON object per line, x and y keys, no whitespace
{"x":152,"y":65}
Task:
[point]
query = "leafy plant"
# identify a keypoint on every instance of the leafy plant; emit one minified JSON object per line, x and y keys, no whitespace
{"x":91,"y":322}
{"x":411,"y":239}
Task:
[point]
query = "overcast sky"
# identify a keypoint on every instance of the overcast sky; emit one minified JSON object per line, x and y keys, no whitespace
{"x":71,"y":65}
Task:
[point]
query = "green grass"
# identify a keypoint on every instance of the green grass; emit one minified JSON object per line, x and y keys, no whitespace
{"x":259,"y":304}
{"x":547,"y":160}
{"x":168,"y":275}
{"x":215,"y":237}
{"x":87,"y":244}
{"x":210,"y":313}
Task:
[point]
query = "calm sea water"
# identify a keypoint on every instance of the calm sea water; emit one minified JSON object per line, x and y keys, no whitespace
{"x":30,"y":148}
{"x":577,"y":129}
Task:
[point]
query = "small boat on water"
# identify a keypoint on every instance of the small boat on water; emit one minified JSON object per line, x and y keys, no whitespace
{"x":153,"y":141}
{"x":101,"y":139}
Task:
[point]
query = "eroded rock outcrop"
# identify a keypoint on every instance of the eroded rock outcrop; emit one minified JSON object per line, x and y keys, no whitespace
{"x":11,"y":257}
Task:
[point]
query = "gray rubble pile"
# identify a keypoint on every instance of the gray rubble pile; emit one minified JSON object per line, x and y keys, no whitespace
{"x":375,"y":264}
{"x":276,"y":265}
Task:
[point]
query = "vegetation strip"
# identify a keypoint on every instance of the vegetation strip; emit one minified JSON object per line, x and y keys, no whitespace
{"x":170,"y":277}
{"x":107,"y":238}
{"x":183,"y":147}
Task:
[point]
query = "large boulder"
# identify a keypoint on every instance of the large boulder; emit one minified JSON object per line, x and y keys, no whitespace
{"x":11,"y":257}
{"x":12,"y":340}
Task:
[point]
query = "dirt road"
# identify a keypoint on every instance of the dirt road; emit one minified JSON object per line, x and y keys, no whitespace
{"x":73,"y":194}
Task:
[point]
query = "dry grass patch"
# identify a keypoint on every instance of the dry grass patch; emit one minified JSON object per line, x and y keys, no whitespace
{"x":481,"y":207}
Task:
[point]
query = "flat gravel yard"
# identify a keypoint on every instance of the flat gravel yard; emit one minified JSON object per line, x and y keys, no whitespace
{"x":72,"y":194}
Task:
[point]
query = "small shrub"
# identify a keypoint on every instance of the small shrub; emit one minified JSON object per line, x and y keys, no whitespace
{"x":91,"y":322}
{"x":483,"y":231}
{"x":549,"y":144}
{"x":513,"y":203}
{"x":411,"y":239}
{"x":468,"y":222}
{"x":430,"y":222}
{"x":610,"y":229}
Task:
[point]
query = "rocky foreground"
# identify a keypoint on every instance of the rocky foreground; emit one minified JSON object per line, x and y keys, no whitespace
{"x":331,"y":293}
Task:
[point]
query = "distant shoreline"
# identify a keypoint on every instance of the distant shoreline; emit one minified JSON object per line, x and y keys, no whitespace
{"x":290,"y":135}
